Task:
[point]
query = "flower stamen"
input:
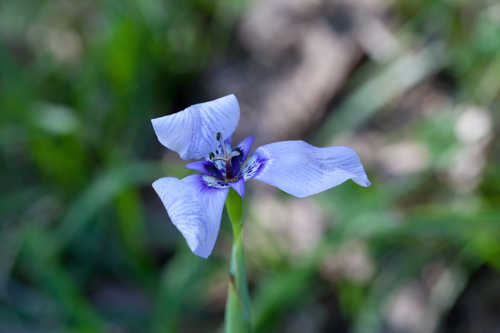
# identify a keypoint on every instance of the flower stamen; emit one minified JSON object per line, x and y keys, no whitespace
{"x":225,"y":153}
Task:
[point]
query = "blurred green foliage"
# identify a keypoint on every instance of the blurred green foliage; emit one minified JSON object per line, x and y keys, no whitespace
{"x":84,"y":243}
{"x":79,"y":82}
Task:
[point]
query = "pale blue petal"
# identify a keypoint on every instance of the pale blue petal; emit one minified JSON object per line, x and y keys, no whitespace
{"x":301,"y":170}
{"x":192,"y":132}
{"x":194,"y":208}
{"x":245,"y":146}
{"x":239,"y":187}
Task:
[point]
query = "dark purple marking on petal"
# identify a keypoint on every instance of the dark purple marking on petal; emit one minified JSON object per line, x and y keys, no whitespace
{"x":253,"y":166}
{"x":236,"y":165}
{"x":213,"y":171}
{"x":205,"y":167}
{"x":210,"y":183}
{"x":196,"y":166}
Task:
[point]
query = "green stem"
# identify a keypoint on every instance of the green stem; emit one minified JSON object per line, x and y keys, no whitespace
{"x":238,"y":317}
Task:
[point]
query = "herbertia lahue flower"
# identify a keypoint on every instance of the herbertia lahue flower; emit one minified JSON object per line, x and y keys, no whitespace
{"x":203,"y":132}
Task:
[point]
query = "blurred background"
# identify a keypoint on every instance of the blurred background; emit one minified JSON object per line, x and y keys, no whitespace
{"x":412,"y":85}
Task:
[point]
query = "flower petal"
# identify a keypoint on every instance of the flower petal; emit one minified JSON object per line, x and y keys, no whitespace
{"x":194,"y":208}
{"x":205,"y":167}
{"x":239,"y":187}
{"x":192,"y":132}
{"x":209,"y":182}
{"x":301,"y":169}
{"x":245,"y":147}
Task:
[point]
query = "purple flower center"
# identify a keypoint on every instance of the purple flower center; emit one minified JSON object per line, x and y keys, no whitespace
{"x":225,"y":162}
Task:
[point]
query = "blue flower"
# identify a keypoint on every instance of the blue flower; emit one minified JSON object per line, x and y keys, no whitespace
{"x":203,"y":132}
